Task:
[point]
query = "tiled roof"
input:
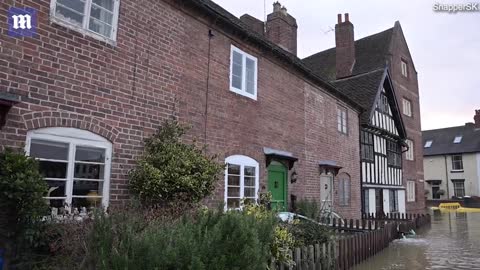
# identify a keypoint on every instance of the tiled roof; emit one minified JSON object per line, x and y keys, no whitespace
{"x":442,"y":140}
{"x":370,"y":54}
{"x":362,"y":88}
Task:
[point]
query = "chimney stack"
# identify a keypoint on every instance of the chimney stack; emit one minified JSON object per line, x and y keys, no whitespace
{"x":477,"y":118}
{"x":345,"y":46}
{"x":281,"y":28}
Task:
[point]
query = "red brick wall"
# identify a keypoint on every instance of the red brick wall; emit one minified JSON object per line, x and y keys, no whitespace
{"x":158,"y":70}
{"x":408,"y":88}
{"x":324,"y":142}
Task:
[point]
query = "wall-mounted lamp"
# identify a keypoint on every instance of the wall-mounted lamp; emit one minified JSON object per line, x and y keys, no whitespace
{"x":293,"y":177}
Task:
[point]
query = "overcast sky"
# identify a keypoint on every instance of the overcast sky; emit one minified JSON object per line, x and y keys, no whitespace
{"x":445,"y":47}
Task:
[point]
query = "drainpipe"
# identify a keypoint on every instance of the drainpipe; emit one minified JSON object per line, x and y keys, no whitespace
{"x":446,"y":176}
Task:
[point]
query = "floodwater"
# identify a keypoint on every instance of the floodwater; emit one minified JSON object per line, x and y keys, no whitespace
{"x":452,"y":242}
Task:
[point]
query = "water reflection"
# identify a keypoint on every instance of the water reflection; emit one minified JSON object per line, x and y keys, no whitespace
{"x":452,"y":242}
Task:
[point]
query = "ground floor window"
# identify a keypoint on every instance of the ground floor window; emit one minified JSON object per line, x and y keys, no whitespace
{"x":241,"y":181}
{"x":411,"y":191}
{"x":393,"y":196}
{"x":75,"y":164}
{"x":459,"y":187}
{"x":366,"y":202}
{"x":436,"y":192}
{"x":344,"y":189}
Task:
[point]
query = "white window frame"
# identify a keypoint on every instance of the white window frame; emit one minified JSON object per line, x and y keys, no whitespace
{"x":342,"y":119}
{"x":241,"y":161}
{"x":459,"y":161}
{"x":458,"y":139}
{"x":243,"y":91}
{"x":428,"y":144}
{"x":407,"y":107}
{"x":404,"y":66}
{"x":409,"y":154}
{"x":459,"y":184}
{"x":75,"y":137}
{"x":411,"y":191}
{"x":84,"y":29}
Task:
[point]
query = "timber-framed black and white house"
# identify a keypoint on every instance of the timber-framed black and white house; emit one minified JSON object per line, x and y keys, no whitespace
{"x":382,"y":137}
{"x":377,"y":72}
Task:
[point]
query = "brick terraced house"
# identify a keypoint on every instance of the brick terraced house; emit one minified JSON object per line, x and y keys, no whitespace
{"x":378,"y":72}
{"x":100,"y":76}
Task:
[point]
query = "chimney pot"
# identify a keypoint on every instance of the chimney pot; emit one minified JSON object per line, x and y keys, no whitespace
{"x":345,"y":47}
{"x":281,"y":28}
{"x":276,"y":6}
{"x":477,"y":118}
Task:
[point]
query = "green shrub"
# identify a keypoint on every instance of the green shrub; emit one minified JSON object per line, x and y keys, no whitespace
{"x":209,"y":240}
{"x":21,"y":203}
{"x":308,"y":233}
{"x":171,"y":170}
{"x":308,"y":208}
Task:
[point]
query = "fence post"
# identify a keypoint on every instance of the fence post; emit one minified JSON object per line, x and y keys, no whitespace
{"x":305,"y":258}
{"x":336,"y":256}
{"x":311,"y":257}
{"x":297,"y":258}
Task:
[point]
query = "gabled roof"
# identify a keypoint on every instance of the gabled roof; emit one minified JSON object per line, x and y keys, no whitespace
{"x":442,"y":140}
{"x":227,"y":20}
{"x":365,"y":88}
{"x":370,"y":54}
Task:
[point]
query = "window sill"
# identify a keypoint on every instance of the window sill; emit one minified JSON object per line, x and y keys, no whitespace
{"x":243,"y":93}
{"x":457,"y":171}
{"x":81,"y":30}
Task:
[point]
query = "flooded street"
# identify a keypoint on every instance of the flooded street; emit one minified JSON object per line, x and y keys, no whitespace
{"x":452,"y":242}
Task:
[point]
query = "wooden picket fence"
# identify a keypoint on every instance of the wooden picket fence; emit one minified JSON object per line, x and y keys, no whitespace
{"x":355,"y":242}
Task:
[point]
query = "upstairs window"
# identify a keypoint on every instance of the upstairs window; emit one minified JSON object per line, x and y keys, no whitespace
{"x":342,"y":120}
{"x":366,"y":148}
{"x":243,"y":73}
{"x":428,"y":144}
{"x":404,"y":68}
{"x":383,"y":104}
{"x":409,"y":154}
{"x":394,"y":155}
{"x":457,"y":162}
{"x":407,"y":107}
{"x":458,"y":139}
{"x":96,"y":18}
{"x":241,"y":181}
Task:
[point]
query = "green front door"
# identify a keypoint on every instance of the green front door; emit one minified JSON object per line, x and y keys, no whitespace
{"x":277,"y":185}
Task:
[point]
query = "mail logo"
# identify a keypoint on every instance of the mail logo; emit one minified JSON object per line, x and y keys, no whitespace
{"x":22,"y":22}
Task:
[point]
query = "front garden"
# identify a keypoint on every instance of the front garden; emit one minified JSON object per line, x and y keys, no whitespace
{"x":164,"y":226}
